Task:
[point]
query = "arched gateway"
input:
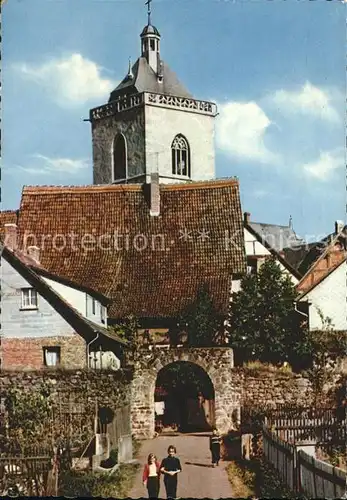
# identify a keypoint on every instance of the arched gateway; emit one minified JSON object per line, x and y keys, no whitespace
{"x":215,"y":361}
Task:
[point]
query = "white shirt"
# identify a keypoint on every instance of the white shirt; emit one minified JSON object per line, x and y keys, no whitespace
{"x":152,"y":470}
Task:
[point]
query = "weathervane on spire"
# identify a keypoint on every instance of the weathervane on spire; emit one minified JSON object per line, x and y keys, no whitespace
{"x":148,"y":3}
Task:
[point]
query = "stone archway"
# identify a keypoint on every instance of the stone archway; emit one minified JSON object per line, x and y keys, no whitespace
{"x":184,"y":398}
{"x":215,"y":361}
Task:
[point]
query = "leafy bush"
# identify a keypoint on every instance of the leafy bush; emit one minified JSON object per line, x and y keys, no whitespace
{"x":79,"y":484}
{"x":257,"y":478}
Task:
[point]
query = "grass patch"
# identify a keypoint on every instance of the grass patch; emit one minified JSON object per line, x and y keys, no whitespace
{"x":256,"y":478}
{"x":242,"y":485}
{"x":88,"y":484}
{"x":257,"y":367}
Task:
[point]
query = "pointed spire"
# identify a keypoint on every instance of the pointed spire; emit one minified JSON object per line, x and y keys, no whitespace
{"x":148,"y":3}
{"x":130,"y":72}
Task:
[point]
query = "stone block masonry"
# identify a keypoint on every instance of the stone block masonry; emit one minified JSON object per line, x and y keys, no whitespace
{"x":28,"y":353}
{"x":108,"y":388}
{"x":217,"y":362}
{"x":272,"y":389}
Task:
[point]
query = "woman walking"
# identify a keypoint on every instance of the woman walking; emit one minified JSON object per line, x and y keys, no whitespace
{"x":215,"y":442}
{"x":151,"y":476}
{"x":170,"y":467}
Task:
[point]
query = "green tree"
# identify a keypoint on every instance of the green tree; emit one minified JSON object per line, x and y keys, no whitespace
{"x":27,"y":415}
{"x":128,"y":330}
{"x":263,"y":324}
{"x":327,"y":348}
{"x":201,"y":321}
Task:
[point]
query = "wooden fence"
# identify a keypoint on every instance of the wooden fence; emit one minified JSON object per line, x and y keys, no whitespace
{"x":120,"y":426}
{"x":325,"y":427}
{"x":303,"y":473}
{"x":34,"y":474}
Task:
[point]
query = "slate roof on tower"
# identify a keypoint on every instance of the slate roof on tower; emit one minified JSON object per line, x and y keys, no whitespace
{"x":144,"y":79}
{"x":161,"y":279}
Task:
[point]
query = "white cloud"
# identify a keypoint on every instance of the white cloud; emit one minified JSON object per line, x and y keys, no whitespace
{"x":309,"y":100}
{"x":72,"y":80}
{"x":51,"y":166}
{"x":325,"y":165}
{"x":240,"y":131}
{"x":260,"y":193}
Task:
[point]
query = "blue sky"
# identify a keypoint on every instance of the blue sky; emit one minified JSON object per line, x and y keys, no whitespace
{"x":275,"y":69}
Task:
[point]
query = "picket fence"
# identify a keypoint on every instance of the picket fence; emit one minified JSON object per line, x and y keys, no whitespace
{"x":301,"y":472}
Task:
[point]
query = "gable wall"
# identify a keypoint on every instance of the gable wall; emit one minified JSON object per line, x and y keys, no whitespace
{"x":17,"y":323}
{"x":330,"y":296}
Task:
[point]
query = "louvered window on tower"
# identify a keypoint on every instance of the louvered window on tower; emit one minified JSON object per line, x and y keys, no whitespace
{"x":180,"y":156}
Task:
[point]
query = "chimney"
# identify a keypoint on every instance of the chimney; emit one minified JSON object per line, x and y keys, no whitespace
{"x":11,"y":236}
{"x":339,"y":225}
{"x":154,"y":194}
{"x":34,"y":253}
{"x":246,"y":218}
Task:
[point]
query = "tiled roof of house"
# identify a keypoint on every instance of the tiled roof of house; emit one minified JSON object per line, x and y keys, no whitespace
{"x":279,"y":256}
{"x":304,"y":256}
{"x":104,"y":238}
{"x":278,"y":237}
{"x":8,"y":217}
{"x":323,"y":276}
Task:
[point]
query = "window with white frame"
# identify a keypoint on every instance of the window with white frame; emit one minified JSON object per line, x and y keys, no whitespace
{"x":180,"y":156}
{"x":29,"y":298}
{"x":93,"y":306}
{"x":51,"y":356}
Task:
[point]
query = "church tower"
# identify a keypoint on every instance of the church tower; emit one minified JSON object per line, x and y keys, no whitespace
{"x":151,"y":124}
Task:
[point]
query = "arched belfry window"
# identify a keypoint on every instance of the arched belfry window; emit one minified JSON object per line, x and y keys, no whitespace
{"x":119,"y":157}
{"x":180,"y":156}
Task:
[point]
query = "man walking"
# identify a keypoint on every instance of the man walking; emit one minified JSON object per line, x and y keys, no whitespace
{"x":215,"y":442}
{"x":170,"y":467}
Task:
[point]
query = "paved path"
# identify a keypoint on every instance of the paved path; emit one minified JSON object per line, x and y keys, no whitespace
{"x":198,"y":478}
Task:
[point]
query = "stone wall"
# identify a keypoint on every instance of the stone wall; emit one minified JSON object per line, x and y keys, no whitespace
{"x":131,"y":124}
{"x":271,"y":388}
{"x":28,"y":353}
{"x":108,"y":388}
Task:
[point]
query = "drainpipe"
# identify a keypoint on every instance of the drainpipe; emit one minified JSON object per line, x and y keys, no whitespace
{"x":88,"y":345}
{"x":300,"y":312}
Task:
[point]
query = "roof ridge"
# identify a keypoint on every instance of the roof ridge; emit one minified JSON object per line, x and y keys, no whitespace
{"x":267,"y":224}
{"x":210,"y":184}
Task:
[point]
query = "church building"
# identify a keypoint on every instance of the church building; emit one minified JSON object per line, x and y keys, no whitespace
{"x":152,"y":125}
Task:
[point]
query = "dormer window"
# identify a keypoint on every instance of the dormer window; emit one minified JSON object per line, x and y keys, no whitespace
{"x":180,"y":156}
{"x":29,"y":298}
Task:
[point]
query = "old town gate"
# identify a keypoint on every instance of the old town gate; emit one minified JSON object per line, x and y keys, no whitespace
{"x":215,"y":361}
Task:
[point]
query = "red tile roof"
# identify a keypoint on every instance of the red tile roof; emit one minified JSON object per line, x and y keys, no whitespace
{"x":7,"y":217}
{"x":154,"y":271}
